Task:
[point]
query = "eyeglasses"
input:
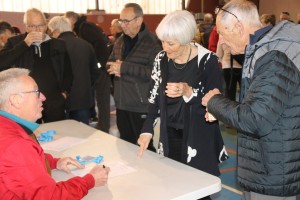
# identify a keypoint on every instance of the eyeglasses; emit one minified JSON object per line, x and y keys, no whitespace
{"x":218,"y":9}
{"x":125,"y":21}
{"x":38,"y":93}
{"x":40,"y":26}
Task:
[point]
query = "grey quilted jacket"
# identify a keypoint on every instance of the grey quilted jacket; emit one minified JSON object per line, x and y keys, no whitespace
{"x":268,"y":114}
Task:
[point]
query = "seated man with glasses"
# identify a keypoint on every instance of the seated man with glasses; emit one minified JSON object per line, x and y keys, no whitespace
{"x":46,"y":58}
{"x":25,"y":170}
{"x":131,"y":62}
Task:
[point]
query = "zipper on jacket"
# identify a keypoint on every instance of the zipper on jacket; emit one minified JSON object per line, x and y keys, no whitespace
{"x":263,"y":160}
{"x":139,"y":92}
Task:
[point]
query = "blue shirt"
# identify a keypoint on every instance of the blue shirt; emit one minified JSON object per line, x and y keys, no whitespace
{"x":31,"y":125}
{"x":259,"y":33}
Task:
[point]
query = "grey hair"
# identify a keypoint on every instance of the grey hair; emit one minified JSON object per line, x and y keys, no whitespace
{"x":9,"y":82}
{"x":245,"y":10}
{"x":71,"y":14}
{"x":137,"y":9}
{"x":33,"y":11}
{"x":179,"y":25}
{"x":208,"y":18}
{"x":60,"y":23}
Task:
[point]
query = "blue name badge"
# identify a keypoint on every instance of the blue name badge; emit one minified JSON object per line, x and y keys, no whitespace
{"x":88,"y":159}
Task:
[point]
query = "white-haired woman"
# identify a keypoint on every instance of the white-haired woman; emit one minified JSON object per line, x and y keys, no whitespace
{"x":182,"y":73}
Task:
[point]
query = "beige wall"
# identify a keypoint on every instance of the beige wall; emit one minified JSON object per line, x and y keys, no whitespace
{"x":277,"y":6}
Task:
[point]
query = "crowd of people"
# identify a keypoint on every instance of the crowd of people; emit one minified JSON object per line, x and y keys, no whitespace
{"x":65,"y":67}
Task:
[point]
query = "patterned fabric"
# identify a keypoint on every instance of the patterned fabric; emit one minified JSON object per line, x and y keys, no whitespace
{"x":202,"y":144}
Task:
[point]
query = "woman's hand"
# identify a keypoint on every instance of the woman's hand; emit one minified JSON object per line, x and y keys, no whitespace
{"x":174,"y":90}
{"x":143,"y":141}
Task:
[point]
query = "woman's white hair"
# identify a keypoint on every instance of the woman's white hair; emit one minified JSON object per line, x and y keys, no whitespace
{"x":245,"y":10}
{"x":179,"y":25}
{"x":9,"y":84}
{"x":60,"y":23}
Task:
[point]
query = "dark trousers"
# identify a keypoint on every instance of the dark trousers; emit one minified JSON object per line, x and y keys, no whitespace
{"x":130,"y":125}
{"x":232,"y":77}
{"x":102,"y":92}
{"x":81,"y":115}
{"x":175,"y":143}
{"x":175,"y":147}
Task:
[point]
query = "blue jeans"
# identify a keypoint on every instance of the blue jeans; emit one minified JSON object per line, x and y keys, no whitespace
{"x":81,"y":115}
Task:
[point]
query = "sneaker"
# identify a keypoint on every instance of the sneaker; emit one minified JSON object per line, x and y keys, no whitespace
{"x":93,"y":121}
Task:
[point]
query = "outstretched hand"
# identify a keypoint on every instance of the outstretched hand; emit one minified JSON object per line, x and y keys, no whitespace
{"x":63,"y":163}
{"x":143,"y":141}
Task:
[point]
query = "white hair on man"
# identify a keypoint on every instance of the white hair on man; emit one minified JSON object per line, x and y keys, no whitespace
{"x":9,"y":84}
{"x":33,"y":11}
{"x":244,"y":11}
{"x":60,"y":23}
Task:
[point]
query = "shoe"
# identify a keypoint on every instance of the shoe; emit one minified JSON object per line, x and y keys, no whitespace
{"x":93,"y":120}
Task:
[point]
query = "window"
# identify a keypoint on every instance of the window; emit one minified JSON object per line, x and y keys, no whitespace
{"x":81,"y":6}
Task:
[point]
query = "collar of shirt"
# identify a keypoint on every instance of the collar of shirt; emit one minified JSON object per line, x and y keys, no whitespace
{"x":259,"y":33}
{"x":31,"y":125}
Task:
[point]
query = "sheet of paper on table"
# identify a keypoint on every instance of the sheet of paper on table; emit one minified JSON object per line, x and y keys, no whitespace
{"x":116,"y":169}
{"x":62,"y":144}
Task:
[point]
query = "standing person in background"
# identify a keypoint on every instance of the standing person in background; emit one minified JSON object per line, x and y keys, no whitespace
{"x":92,"y":34}
{"x":46,"y":58}
{"x":284,"y":16}
{"x":115,"y":32}
{"x":205,"y":29}
{"x":298,"y":18}
{"x":268,"y":115}
{"x":267,"y":19}
{"x":84,"y":66}
{"x":131,"y":62}
{"x":25,"y":170}
{"x":213,"y":40}
{"x":181,"y":75}
{"x":6,"y":31}
{"x":231,"y":67}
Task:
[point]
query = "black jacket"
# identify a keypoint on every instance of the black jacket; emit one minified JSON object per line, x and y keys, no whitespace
{"x":199,"y":136}
{"x":131,"y":88}
{"x":85,"y":72}
{"x":16,"y":53}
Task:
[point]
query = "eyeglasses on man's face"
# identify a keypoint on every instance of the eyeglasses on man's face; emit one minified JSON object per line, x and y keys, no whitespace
{"x":39,"y":26}
{"x":218,"y":9}
{"x":38,"y":93}
{"x":126,"y":21}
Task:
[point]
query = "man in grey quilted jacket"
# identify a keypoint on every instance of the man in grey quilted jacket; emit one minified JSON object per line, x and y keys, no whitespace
{"x":267,"y":116}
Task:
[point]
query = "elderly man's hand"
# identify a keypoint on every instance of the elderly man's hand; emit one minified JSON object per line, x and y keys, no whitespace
{"x":100,"y":174}
{"x":209,"y":95}
{"x":63,"y":163}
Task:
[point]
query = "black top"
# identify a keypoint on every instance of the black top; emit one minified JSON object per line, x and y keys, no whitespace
{"x":175,"y":106}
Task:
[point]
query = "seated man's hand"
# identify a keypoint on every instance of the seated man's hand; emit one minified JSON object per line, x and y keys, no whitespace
{"x":100,"y":174}
{"x":63,"y":163}
{"x":143,"y":141}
